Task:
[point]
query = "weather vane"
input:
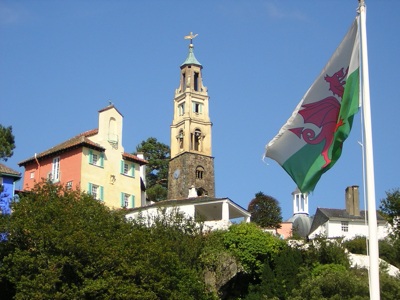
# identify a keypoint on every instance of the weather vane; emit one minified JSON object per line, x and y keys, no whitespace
{"x":190,"y":37}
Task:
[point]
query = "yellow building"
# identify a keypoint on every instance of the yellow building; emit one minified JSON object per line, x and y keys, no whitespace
{"x":95,"y":162}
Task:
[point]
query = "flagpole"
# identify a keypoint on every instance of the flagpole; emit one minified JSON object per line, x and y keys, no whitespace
{"x":374,"y":286}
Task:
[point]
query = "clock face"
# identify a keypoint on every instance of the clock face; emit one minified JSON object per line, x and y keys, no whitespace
{"x":177,"y":173}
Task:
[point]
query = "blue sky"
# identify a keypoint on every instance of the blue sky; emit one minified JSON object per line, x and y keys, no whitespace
{"x":62,"y":61}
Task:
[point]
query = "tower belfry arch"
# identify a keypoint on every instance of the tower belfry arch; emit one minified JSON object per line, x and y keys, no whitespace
{"x":191,"y":165}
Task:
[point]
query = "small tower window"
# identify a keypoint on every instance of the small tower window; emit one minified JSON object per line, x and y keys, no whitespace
{"x":180,"y":138}
{"x":184,"y":81}
{"x":199,"y":172}
{"x":181,"y":109}
{"x":196,"y":81}
{"x":197,"y":108}
{"x":196,"y":140}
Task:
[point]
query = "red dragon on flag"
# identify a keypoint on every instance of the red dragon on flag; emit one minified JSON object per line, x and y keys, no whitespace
{"x":324,"y":114}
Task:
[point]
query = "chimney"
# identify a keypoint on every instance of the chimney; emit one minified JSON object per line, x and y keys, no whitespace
{"x":352,"y":201}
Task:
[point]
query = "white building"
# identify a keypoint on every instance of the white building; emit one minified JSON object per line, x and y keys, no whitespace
{"x":346,"y":223}
{"x":215,"y":213}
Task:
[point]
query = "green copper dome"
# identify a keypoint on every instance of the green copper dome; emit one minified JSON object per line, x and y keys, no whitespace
{"x":191,"y":59}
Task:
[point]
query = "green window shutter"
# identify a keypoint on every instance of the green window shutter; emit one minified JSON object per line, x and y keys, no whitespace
{"x":90,"y":156}
{"x":133,"y":170}
{"x":89,"y":188}
{"x":101,"y":193}
{"x":132,"y":204}
{"x":122,"y":199}
{"x":122,"y":167}
{"x":102,"y":160}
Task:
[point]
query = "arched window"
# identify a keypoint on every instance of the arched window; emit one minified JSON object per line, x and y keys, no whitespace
{"x":199,"y":172}
{"x":196,"y":140}
{"x":180,"y":138}
{"x":112,"y":131}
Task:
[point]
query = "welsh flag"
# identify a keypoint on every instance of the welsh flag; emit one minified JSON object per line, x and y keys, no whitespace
{"x":311,"y":141}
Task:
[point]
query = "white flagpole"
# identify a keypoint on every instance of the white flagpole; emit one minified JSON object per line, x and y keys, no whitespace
{"x":374,"y":286}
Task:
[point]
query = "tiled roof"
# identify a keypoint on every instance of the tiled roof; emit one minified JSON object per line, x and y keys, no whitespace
{"x":333,"y":213}
{"x":134,"y":158}
{"x":79,"y":140}
{"x":4,"y":170}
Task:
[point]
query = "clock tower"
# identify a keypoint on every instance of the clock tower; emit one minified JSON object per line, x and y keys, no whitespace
{"x":191,"y":167}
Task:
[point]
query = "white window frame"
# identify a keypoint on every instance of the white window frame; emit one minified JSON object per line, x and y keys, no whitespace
{"x":69,"y":185}
{"x":55,"y":169}
{"x":345,"y":226}
{"x":126,"y":169}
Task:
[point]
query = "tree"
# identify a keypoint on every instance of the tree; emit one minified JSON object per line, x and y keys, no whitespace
{"x":7,"y":143}
{"x":158,"y":155}
{"x":265,"y":211}
{"x":390,"y":207}
{"x":64,"y":244}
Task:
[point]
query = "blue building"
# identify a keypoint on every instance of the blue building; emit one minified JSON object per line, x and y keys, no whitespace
{"x":8,"y":177}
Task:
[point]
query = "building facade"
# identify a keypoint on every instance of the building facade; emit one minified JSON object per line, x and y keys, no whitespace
{"x":8,"y":177}
{"x":94,"y":162}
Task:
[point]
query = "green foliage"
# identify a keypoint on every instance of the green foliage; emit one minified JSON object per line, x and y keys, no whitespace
{"x":327,"y":251}
{"x":389,"y":287}
{"x":357,"y":245}
{"x":279,"y":275}
{"x":265,"y":211}
{"x":331,"y":281}
{"x":158,"y":155}
{"x":7,"y":142}
{"x":66,"y":245}
{"x":390,"y":207}
{"x":157,"y":192}
{"x":251,"y":245}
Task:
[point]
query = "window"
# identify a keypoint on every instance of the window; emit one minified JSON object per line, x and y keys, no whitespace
{"x":127,"y":200}
{"x":181,"y":109}
{"x":96,"y":158}
{"x":197,"y":108}
{"x":196,"y":140}
{"x":199,"y":172}
{"x":32,"y":175}
{"x":96,"y":191}
{"x":69,"y":185}
{"x":55,"y":170}
{"x":345,"y":226}
{"x":196,"y":81}
{"x":127,"y":169}
{"x":180,"y":137}
{"x":184,"y":81}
